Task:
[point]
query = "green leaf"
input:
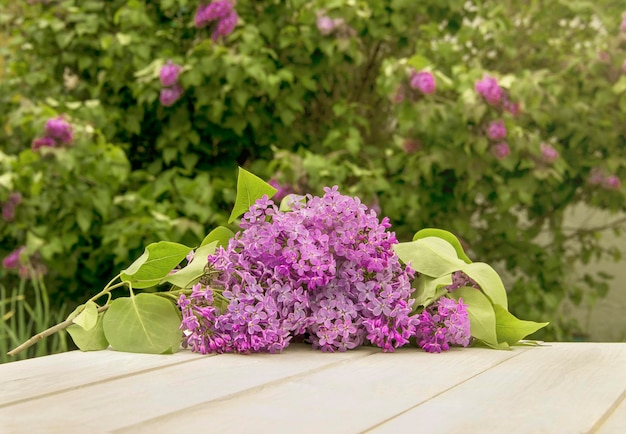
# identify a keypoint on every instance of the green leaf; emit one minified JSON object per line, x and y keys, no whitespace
{"x":418,"y":62}
{"x":143,"y":323}
{"x":481,"y":314}
{"x":221,"y":234}
{"x":190,"y":275}
{"x":431,"y":256}
{"x":488,"y":280}
{"x":428,"y":289}
{"x":154,"y":264}
{"x":445,"y":235}
{"x":87,"y":317}
{"x":249,"y":188}
{"x":92,"y":339}
{"x":511,"y":329}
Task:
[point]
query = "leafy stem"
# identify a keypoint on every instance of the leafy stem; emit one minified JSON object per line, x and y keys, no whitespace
{"x":48,"y":332}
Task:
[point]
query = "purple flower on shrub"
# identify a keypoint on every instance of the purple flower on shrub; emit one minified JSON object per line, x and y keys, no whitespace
{"x":8,"y":207}
{"x":623,"y":25}
{"x":548,"y":153}
{"x":169,"y":95}
{"x":43,"y":142}
{"x":496,"y":130}
{"x":444,"y":323}
{"x":59,"y":130}
{"x":423,"y":81}
{"x":611,"y":182}
{"x":596,"y":176}
{"x":513,"y":108}
{"x":13,"y":259}
{"x":219,"y":14}
{"x":501,"y":150}
{"x":325,"y":24}
{"x":169,"y":73}
{"x":489,"y":89}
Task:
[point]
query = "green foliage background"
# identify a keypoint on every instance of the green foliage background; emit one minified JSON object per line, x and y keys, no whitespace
{"x":285,"y":101}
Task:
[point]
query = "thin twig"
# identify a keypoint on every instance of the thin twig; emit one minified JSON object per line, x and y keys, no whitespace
{"x":44,"y":334}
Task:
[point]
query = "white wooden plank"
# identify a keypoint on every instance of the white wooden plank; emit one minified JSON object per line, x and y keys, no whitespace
{"x":345,"y":398}
{"x":40,"y":376}
{"x":562,"y":388}
{"x":615,"y":423}
{"x":135,"y":398}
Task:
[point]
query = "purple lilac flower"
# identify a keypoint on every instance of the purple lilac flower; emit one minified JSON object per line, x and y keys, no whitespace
{"x":324,"y":270}
{"x":219,"y":13}
{"x":282,"y":189}
{"x":496,"y":130}
{"x":423,"y":80}
{"x":169,"y":95}
{"x":623,"y":25}
{"x":489,"y":89}
{"x":13,"y":259}
{"x":59,"y":130}
{"x":325,"y":25}
{"x":444,"y":323}
{"x":169,"y":73}
{"x":43,"y":142}
{"x":513,"y":108}
{"x":611,"y":182}
{"x":501,"y":150}
{"x":8,"y":207}
{"x":548,"y":153}
{"x":596,"y":176}
{"x":460,"y":280}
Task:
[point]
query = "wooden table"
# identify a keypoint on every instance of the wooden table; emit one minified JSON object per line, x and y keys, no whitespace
{"x":554,"y":388}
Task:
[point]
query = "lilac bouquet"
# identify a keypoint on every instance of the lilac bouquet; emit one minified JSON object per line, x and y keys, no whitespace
{"x":321,"y":270}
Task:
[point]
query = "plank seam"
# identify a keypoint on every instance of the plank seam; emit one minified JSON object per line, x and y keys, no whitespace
{"x":101,"y":381}
{"x":440,"y":393}
{"x":254,"y":389}
{"x":607,"y":414}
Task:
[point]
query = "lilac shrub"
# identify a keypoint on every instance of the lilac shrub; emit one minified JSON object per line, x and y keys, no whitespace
{"x":324,"y":272}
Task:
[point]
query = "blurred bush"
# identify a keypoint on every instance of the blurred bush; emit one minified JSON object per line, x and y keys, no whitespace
{"x":380,"y":97}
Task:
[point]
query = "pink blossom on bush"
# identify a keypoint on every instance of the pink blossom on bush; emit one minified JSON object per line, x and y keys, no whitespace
{"x":169,"y":73}
{"x":219,"y":13}
{"x":623,"y":25}
{"x":13,"y":259}
{"x":43,"y":142}
{"x":501,"y":150}
{"x":169,"y":95}
{"x":8,"y":207}
{"x":423,"y":81}
{"x":325,"y":24}
{"x":489,"y":89}
{"x":513,"y":108}
{"x":59,"y":130}
{"x":496,"y":130}
{"x":611,"y":182}
{"x":548,"y":153}
{"x":596,"y":176}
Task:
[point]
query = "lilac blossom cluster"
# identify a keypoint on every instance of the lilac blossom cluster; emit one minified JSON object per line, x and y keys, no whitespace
{"x":8,"y":207}
{"x":424,"y":81}
{"x":58,"y":132}
{"x":444,"y":323}
{"x":324,"y":272}
{"x":219,"y":15}
{"x":26,"y":269}
{"x":172,"y":90}
{"x":598,"y":177}
{"x":491,"y":91}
